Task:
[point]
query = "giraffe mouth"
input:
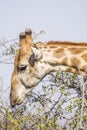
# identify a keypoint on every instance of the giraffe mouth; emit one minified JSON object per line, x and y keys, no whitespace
{"x":17,"y":101}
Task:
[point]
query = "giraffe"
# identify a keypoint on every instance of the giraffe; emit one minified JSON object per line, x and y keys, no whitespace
{"x":35,"y":61}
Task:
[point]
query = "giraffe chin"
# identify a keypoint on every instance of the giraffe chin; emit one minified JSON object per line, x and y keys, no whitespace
{"x":17,"y":97}
{"x":17,"y":101}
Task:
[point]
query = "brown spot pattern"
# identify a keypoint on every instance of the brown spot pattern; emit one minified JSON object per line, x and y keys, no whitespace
{"x":65,"y":61}
{"x":72,"y":70}
{"x":49,"y":50}
{"x":66,"y":44}
{"x":84,"y":57}
{"x":59,"y":53}
{"x":53,"y":46}
{"x":76,"y":50}
{"x":75,"y":62}
{"x":84,"y":68}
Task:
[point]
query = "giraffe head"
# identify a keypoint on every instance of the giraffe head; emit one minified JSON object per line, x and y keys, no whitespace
{"x":25,"y":74}
{"x":34,"y":61}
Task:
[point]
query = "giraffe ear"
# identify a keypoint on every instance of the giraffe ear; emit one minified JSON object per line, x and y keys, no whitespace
{"x":32,"y":60}
{"x":37,"y":53}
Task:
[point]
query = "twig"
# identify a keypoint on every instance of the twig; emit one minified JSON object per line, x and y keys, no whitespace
{"x":83,"y":99}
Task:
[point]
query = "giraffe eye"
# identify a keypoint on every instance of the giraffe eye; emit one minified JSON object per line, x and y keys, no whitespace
{"x":21,"y":68}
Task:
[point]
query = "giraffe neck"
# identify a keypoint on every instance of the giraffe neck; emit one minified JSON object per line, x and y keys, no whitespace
{"x":65,"y":56}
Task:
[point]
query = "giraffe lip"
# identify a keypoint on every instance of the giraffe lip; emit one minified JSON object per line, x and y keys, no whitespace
{"x":17,"y":101}
{"x":13,"y":105}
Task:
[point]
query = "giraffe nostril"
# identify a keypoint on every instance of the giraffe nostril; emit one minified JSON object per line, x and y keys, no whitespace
{"x":21,"y":68}
{"x":13,"y":103}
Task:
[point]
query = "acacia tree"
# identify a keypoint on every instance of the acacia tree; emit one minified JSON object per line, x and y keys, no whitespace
{"x":59,"y":102}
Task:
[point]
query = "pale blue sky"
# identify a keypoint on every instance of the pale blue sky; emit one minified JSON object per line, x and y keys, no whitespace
{"x":60,"y":19}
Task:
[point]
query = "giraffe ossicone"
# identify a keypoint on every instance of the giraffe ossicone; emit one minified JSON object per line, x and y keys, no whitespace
{"x":34,"y":61}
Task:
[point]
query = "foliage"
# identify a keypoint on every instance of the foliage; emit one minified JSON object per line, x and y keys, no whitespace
{"x":46,"y":110}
